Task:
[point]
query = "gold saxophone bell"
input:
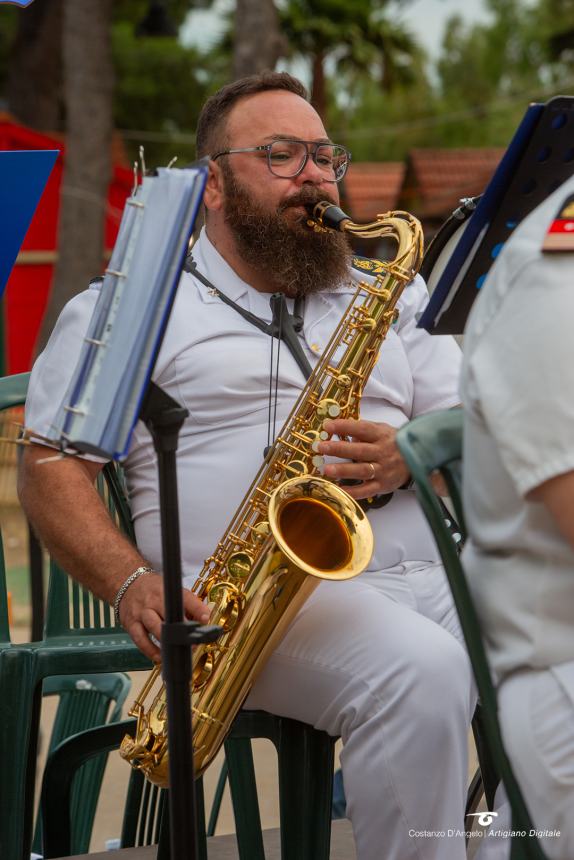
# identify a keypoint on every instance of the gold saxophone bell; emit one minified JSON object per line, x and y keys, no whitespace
{"x":292,"y":529}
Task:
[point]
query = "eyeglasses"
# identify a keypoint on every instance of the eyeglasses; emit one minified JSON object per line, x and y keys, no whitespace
{"x":287,"y":158}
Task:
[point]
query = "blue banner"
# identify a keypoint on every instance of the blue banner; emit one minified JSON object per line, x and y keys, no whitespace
{"x":23,"y":177}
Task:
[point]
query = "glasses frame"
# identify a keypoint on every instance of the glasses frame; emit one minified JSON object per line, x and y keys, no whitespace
{"x":311,"y":149}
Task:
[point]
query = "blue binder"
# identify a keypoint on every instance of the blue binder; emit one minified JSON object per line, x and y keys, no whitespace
{"x":539,"y":158}
{"x":23,"y":177}
{"x":102,"y":403}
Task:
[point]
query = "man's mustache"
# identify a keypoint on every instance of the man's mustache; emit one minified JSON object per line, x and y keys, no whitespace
{"x":305,"y":197}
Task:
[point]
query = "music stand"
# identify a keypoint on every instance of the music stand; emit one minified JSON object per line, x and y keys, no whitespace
{"x":539,"y":158}
{"x":101,"y":407}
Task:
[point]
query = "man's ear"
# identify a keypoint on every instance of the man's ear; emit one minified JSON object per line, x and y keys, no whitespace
{"x":213,"y":193}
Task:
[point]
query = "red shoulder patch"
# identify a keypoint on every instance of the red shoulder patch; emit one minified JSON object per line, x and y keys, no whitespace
{"x":560,"y":233}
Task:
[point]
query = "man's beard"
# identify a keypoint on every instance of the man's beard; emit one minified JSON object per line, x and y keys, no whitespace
{"x":297,"y":260}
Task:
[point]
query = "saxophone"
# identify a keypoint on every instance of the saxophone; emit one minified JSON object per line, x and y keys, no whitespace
{"x":292,"y":529}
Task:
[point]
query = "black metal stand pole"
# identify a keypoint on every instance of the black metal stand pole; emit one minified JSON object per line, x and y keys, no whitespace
{"x":164,"y":418}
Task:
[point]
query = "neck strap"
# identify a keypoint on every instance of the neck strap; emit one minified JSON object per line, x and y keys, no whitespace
{"x":284,"y":326}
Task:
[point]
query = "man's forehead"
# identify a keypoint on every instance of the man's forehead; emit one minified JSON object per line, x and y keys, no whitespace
{"x":272,"y":114}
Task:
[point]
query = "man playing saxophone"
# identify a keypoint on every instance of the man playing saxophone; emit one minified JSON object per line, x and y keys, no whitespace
{"x":376,"y":660}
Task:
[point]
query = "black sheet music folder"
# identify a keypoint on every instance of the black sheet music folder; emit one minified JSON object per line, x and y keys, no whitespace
{"x":539,"y":158}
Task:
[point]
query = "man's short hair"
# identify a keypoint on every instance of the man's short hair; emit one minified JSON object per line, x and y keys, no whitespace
{"x":210,"y":133}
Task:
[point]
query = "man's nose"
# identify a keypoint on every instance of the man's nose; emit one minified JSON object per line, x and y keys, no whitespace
{"x":312,"y":173}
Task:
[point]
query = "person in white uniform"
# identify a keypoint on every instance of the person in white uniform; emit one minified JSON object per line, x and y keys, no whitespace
{"x":375,"y":660}
{"x":519,"y":502}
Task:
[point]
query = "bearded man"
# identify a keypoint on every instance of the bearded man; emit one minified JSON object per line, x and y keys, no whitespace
{"x":375,"y":660}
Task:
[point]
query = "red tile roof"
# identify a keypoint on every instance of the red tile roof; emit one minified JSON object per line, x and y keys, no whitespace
{"x":371,"y":188}
{"x":436,"y":179}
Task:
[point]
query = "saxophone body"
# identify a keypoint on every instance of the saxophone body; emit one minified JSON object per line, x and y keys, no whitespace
{"x":292,"y":529}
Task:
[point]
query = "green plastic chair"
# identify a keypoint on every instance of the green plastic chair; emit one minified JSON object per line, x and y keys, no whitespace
{"x":434,"y":442}
{"x":305,"y":759}
{"x":80,"y":637}
{"x":92,"y":700}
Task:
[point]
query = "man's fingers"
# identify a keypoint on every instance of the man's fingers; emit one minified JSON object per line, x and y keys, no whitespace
{"x":365,"y":431}
{"x":360,"y":451}
{"x":357,"y":471}
{"x":141,"y":638}
{"x":195,"y":608}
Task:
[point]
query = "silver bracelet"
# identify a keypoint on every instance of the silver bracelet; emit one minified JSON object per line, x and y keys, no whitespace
{"x":123,"y":588}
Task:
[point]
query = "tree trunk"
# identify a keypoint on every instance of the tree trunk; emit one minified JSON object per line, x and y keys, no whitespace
{"x":88,"y":86}
{"x":318,"y":86}
{"x":258,"y":42}
{"x":34,"y":84}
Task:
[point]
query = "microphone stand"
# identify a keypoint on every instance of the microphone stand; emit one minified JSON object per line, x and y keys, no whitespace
{"x":164,"y":418}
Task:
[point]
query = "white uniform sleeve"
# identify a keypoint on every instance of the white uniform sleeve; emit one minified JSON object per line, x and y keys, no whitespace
{"x":523,"y":374}
{"x":434,"y":360}
{"x":55,"y":366}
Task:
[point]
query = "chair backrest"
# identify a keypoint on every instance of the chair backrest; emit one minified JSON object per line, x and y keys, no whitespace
{"x":72,"y":612}
{"x":12,"y":394}
{"x":13,"y":390}
{"x":432,"y":443}
{"x":4,"y":615}
{"x":85,"y":701}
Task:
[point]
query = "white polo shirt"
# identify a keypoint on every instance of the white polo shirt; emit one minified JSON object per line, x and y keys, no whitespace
{"x":217,"y":365}
{"x":518,"y":393}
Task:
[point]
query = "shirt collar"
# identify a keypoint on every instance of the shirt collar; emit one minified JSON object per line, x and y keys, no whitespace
{"x":217,"y":270}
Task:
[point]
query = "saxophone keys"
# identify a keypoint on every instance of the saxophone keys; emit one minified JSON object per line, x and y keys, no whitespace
{"x":295,"y":468}
{"x":202,"y":668}
{"x":319,"y":463}
{"x":239,"y":565}
{"x":328,"y":408}
{"x":228,"y":601}
{"x":261,"y":531}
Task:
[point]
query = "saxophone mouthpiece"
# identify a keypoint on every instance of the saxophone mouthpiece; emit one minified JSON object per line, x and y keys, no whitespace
{"x":328,"y":216}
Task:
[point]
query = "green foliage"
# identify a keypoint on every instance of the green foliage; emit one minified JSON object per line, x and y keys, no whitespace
{"x":381,"y":125}
{"x":356,"y":37}
{"x":160,"y":87}
{"x":135,"y":11}
{"x":488,"y":73}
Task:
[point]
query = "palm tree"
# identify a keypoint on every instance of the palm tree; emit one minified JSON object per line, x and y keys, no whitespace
{"x":257,"y":41}
{"x":354,"y":36}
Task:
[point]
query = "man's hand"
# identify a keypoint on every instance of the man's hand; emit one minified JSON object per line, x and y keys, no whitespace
{"x":142,"y":612}
{"x":376,"y":460}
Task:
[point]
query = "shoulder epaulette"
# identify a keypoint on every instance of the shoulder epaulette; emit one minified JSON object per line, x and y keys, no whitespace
{"x":560,"y":233}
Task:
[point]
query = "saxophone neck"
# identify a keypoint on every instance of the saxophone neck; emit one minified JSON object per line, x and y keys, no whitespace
{"x":401,"y":226}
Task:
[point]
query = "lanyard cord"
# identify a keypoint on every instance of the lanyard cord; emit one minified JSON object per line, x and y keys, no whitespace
{"x":286,"y":331}
{"x":277,"y":307}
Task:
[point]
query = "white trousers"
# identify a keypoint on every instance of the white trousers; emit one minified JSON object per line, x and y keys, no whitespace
{"x":376,"y":660}
{"x":537,"y":720}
